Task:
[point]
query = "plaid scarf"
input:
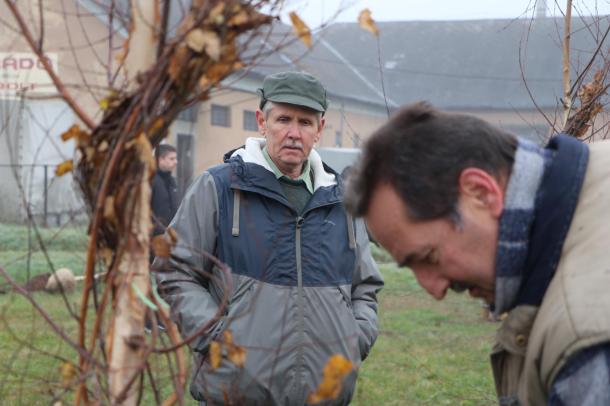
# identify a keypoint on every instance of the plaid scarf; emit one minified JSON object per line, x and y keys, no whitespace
{"x":516,"y":220}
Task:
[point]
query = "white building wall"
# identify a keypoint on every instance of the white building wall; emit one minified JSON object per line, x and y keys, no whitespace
{"x":31,"y":148}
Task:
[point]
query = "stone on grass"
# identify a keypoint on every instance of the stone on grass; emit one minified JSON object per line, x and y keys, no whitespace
{"x":63,"y":276}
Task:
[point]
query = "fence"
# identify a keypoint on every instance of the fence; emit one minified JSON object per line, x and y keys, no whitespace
{"x":32,"y":191}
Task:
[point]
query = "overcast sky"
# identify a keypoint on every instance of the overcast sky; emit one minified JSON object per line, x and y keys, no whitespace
{"x":314,"y":12}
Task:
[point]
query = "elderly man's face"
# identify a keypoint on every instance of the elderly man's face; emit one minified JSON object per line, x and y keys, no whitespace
{"x":291,"y":132}
{"x":441,"y":254}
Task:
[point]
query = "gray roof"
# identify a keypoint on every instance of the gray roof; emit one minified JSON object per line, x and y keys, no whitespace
{"x":469,"y":64}
{"x":275,"y":48}
{"x":453,"y":64}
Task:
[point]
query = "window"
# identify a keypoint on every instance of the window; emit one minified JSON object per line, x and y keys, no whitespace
{"x":221,"y":115}
{"x":338,"y":139}
{"x":189,"y":114}
{"x":250,"y":123}
{"x":356,"y":140}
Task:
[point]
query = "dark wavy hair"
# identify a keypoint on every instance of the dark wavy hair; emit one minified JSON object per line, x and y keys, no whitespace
{"x":162,"y":150}
{"x":421,"y":152}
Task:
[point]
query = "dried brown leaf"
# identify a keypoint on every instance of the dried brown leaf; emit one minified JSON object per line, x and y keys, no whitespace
{"x":195,"y":41}
{"x":89,"y":152}
{"x":301,"y":29}
{"x":173,"y":236}
{"x":156,"y":125}
{"x":68,"y":374}
{"x":338,"y":366}
{"x":161,"y":247}
{"x":215,"y":354}
{"x":335,"y":371}
{"x":64,"y":168}
{"x":227,"y":337}
{"x":216,"y":13}
{"x":366,"y":22}
{"x":103,"y":147}
{"x":144,"y":150}
{"x":212,"y":45}
{"x":178,"y":62}
{"x":83,"y":139}
{"x":72,"y":132}
{"x":106,"y":254}
{"x":109,"y":212}
{"x":237,"y":355}
{"x":215,"y":74}
{"x":241,"y":18}
{"x":203,"y":40}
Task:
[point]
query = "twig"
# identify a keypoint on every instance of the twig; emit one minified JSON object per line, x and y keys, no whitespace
{"x":590,"y":62}
{"x":530,"y":94}
{"x":19,"y":289}
{"x":163,"y":33}
{"x":385,"y":97}
{"x":567,"y":95}
{"x":41,"y":15}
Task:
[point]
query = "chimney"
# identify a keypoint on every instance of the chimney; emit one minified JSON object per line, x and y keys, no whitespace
{"x":540,"y":8}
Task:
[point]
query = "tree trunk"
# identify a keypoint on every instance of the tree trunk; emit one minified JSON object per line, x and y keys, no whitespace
{"x":126,"y":333}
{"x":127,"y":328}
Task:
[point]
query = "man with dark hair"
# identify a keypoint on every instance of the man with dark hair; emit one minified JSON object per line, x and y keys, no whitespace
{"x":467,"y":206}
{"x":304,"y":282}
{"x":164,"y":200}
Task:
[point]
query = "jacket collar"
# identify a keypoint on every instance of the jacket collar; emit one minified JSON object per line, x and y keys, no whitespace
{"x":251,"y":172}
{"x":252,"y":153}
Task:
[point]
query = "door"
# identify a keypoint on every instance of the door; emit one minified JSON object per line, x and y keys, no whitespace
{"x":185,"y":163}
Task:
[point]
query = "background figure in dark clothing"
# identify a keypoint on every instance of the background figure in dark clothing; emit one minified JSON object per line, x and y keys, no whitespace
{"x":164,"y":199}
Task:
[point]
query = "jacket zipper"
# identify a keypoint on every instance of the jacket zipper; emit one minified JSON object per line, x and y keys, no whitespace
{"x":301,"y":315}
{"x":300,"y":295}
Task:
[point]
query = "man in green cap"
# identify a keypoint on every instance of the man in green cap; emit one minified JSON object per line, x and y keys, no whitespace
{"x":303,"y":283}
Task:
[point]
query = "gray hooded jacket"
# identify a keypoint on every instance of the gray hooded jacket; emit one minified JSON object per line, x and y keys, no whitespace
{"x":304,"y":286}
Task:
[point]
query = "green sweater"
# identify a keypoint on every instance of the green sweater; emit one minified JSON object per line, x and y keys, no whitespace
{"x":297,"y":191}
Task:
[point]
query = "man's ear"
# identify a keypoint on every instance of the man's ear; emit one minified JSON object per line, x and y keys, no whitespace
{"x":482,"y":190}
{"x":260,"y":120}
{"x":320,"y":129}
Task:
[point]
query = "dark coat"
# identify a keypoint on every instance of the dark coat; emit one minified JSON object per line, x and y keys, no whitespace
{"x":164,"y":200}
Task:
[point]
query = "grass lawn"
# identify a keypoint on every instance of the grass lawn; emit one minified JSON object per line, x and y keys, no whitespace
{"x":31,"y":355}
{"x":65,"y":248}
{"x":428,"y":352}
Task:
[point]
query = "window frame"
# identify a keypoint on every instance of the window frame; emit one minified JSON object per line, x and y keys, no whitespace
{"x":215,"y":110}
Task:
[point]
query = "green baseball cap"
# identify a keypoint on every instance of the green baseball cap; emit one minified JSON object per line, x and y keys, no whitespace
{"x":298,"y":88}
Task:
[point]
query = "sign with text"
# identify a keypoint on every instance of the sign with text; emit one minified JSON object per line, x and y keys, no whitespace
{"x":23,"y":74}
